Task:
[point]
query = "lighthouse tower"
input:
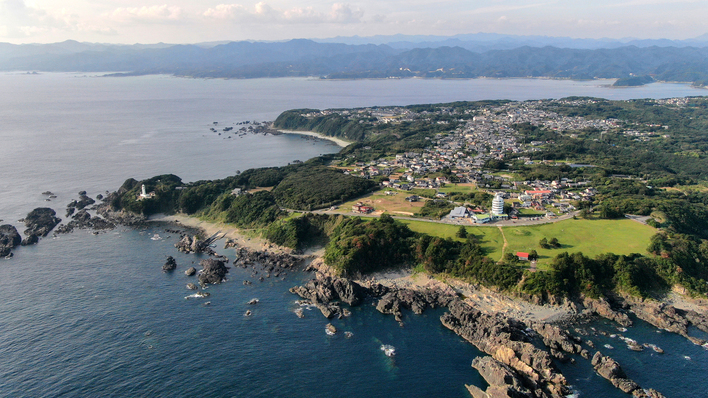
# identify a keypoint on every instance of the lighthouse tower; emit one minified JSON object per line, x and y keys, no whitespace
{"x":143,"y":194}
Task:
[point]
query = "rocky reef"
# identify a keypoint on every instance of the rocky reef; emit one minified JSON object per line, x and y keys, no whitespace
{"x":520,"y":361}
{"x":84,"y":220}
{"x":213,"y":271}
{"x":9,"y":239}
{"x":612,"y":371}
{"x":507,"y":342}
{"x":40,"y":222}
{"x":170,"y":264}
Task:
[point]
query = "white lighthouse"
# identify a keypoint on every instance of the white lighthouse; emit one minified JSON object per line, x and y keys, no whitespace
{"x":498,"y":205}
{"x":144,"y":194}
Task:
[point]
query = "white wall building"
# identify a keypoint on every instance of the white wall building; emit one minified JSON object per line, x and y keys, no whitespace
{"x":497,"y":205}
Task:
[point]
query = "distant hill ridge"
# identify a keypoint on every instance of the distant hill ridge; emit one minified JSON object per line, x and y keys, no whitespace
{"x":302,"y":57}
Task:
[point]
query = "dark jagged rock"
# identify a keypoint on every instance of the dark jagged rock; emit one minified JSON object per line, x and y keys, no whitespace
{"x":83,"y":202}
{"x":84,"y":220}
{"x":323,"y":290}
{"x":506,"y":341}
{"x":329,"y":310}
{"x":664,"y":316}
{"x":394,"y":300}
{"x":698,"y":320}
{"x":30,"y":240}
{"x":9,"y":239}
{"x":602,"y":308}
{"x":558,"y":339}
{"x":192,"y":244}
{"x":502,"y":380}
{"x":99,"y":197}
{"x":213,"y":271}
{"x":190,"y":271}
{"x":612,"y":371}
{"x":41,"y":221}
{"x":121,"y":217}
{"x":348,"y":291}
{"x":170,"y":264}
{"x":192,"y":286}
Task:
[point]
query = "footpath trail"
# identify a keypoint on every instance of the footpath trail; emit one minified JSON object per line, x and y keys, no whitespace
{"x":501,"y":230}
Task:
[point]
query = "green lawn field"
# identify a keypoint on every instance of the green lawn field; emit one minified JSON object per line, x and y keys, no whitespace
{"x":591,"y":237}
{"x":490,"y":238}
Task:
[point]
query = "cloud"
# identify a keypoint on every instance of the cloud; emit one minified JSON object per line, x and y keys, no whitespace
{"x":156,"y":13}
{"x":19,"y":20}
{"x":262,"y":12}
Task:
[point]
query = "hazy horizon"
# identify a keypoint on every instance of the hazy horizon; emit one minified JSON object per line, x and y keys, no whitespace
{"x":182,"y":21}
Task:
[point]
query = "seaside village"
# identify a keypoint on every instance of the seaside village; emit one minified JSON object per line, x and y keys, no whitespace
{"x":465,"y":151}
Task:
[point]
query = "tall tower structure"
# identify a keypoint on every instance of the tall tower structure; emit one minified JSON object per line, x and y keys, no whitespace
{"x":498,"y":205}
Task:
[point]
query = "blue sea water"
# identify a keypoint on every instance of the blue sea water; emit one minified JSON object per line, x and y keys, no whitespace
{"x":99,"y":318}
{"x":86,"y":316}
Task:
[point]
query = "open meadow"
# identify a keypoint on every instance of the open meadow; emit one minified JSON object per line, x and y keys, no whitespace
{"x":591,"y":237}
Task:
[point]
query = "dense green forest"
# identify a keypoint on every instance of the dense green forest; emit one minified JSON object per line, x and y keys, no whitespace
{"x":317,"y":187}
{"x":303,"y":186}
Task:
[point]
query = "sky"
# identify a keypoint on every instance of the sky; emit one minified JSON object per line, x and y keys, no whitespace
{"x":190,"y":21}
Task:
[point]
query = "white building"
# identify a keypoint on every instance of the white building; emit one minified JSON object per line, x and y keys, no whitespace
{"x":497,"y":205}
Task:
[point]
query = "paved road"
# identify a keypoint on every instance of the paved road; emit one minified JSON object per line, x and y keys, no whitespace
{"x":467,"y":222}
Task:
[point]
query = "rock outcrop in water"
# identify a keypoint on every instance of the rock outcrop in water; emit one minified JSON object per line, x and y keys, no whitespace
{"x":668,"y":317}
{"x":41,"y":221}
{"x":324,"y":290}
{"x":9,"y":239}
{"x":602,"y":307}
{"x":506,"y":340}
{"x":83,"y":202}
{"x":527,"y":369}
{"x":502,"y":380}
{"x":559,"y":341}
{"x":170,"y":264}
{"x":84,"y":220}
{"x":612,"y":371}
{"x":193,"y":244}
{"x":213,"y":271}
{"x":30,"y":240}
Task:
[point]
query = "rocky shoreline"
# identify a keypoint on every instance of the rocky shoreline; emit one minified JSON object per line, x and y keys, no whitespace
{"x":520,"y":350}
{"x":521,"y":354}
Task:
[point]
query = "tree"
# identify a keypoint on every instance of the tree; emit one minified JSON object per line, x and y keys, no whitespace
{"x":544,"y":243}
{"x":554,"y":243}
{"x":533,"y":255}
{"x":462,"y":232}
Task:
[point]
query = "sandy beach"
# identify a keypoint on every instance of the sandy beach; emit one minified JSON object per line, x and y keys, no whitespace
{"x":341,"y":142}
{"x":230,"y":231}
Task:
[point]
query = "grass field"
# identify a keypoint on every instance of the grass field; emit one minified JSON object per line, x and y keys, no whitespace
{"x":393,"y":204}
{"x":490,"y":238}
{"x":591,"y":237}
{"x":530,"y":212}
{"x":462,"y":188}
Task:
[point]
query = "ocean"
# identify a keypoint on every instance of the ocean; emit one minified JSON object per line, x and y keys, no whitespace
{"x":87,"y":315}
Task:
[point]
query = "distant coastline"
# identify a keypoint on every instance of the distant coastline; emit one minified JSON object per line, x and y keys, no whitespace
{"x":339,"y":141}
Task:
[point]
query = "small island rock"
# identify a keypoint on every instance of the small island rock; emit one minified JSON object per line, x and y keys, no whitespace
{"x":170,"y":264}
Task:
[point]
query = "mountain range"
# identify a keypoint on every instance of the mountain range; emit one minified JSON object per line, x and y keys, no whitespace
{"x":463,"y":56}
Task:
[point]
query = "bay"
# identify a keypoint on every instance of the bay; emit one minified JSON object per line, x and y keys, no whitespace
{"x":86,"y":315}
